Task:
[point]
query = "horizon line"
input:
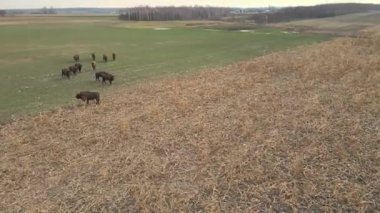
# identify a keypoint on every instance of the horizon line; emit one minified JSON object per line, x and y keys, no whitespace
{"x":36,"y":8}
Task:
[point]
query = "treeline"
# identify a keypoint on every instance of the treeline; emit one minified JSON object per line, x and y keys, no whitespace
{"x":45,"y":10}
{"x":319,"y":11}
{"x":3,"y":12}
{"x":42,"y":11}
{"x":173,"y":13}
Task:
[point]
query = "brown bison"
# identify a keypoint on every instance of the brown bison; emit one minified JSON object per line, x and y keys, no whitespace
{"x":105,"y":58}
{"x":66,"y":73}
{"x":76,"y":57}
{"x":87,"y":96}
{"x":99,"y":74}
{"x":114,"y":56}
{"x":78,"y":66}
{"x":93,"y":56}
{"x":73,"y":69}
{"x":93,"y":65}
{"x":105,"y":77}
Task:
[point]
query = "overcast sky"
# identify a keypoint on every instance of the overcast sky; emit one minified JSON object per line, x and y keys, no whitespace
{"x":8,"y":4}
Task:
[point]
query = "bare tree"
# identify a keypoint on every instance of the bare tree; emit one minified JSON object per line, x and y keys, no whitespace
{"x":145,"y":13}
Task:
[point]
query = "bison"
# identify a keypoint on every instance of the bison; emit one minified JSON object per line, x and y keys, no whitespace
{"x":78,"y":66}
{"x":93,"y":56}
{"x":66,"y":73}
{"x":76,"y":57}
{"x":87,"y":96}
{"x":105,"y":77}
{"x":73,"y":69}
{"x":98,"y":75}
{"x":105,"y":58}
{"x":114,"y":56}
{"x":93,"y":65}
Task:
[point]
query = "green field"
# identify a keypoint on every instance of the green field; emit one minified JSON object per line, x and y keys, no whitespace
{"x":33,"y":54}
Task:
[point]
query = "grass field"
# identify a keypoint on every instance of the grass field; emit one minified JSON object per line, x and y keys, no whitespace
{"x":291,"y":131}
{"x":35,"y":49}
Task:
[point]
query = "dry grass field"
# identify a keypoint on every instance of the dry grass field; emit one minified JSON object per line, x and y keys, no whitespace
{"x":339,"y":25}
{"x":294,"y":130}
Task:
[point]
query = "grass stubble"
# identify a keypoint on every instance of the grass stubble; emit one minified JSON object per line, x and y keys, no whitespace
{"x":294,"y":130}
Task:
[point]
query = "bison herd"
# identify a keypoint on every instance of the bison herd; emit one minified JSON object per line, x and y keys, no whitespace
{"x":72,"y":70}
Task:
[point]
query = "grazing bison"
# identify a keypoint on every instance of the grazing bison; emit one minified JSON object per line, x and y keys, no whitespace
{"x":87,"y":96}
{"x":73,"y":69}
{"x":76,"y":57}
{"x":78,"y":66}
{"x":98,"y":75}
{"x":105,"y":58}
{"x":93,"y":56}
{"x":66,"y":73}
{"x":105,"y":77}
{"x":114,"y":56}
{"x":93,"y":65}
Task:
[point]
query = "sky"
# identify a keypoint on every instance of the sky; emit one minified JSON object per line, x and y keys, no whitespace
{"x":13,"y":4}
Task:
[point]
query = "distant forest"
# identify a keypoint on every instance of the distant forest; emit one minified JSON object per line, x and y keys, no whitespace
{"x":258,"y":15}
{"x":270,"y":16}
{"x":3,"y":12}
{"x":173,"y":13}
{"x":319,"y":11}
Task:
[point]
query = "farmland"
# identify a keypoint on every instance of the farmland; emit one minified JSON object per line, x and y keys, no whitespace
{"x":35,"y":49}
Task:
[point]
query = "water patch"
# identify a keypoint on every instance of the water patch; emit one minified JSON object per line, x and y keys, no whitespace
{"x":161,"y":28}
{"x":246,"y":31}
{"x":292,"y":32}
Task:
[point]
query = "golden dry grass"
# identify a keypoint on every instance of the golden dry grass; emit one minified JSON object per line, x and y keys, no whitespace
{"x":340,"y":25}
{"x":295,"y":130}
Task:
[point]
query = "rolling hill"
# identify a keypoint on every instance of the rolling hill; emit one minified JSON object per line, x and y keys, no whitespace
{"x":294,"y":130}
